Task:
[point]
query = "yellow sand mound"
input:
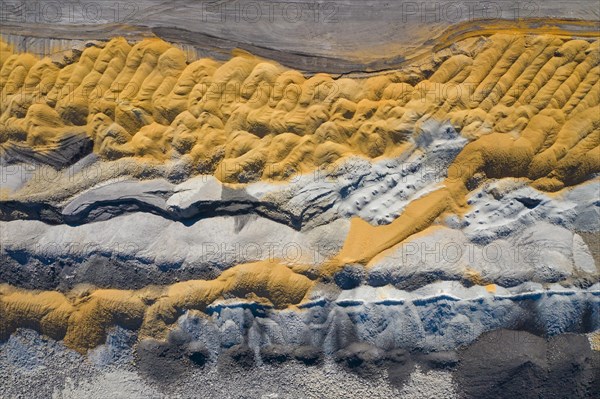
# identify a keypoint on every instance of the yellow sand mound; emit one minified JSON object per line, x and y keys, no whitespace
{"x":529,"y":103}
{"x":249,"y":118}
{"x":83,"y":317}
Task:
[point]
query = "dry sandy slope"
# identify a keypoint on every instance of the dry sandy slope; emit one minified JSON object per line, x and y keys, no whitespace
{"x":526,"y":106}
{"x":337,"y":36}
{"x":249,"y":118}
{"x":518,"y":98}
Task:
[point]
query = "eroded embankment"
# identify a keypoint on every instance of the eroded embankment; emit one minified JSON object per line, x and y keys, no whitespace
{"x":529,"y":103}
{"x":250,"y":119}
{"x":83,"y":318}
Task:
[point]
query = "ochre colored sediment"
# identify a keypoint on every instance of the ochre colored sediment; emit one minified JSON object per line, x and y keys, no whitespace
{"x":528,"y":103}
{"x":82,"y":317}
{"x":364,"y":240}
{"x":251,"y":119}
{"x":594,"y":339}
{"x":523,"y":26}
{"x":548,"y":154}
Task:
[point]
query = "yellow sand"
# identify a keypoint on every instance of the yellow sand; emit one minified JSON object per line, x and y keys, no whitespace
{"x":249,"y":118}
{"x":594,"y":339}
{"x":82,"y":317}
{"x":529,"y":104}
